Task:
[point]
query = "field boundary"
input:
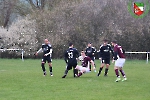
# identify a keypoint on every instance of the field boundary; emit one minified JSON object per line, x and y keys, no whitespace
{"x":147,"y":54}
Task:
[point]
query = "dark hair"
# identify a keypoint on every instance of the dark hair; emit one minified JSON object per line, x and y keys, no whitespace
{"x":105,"y":40}
{"x":114,"y":41}
{"x":82,"y":51}
{"x":70,"y":44}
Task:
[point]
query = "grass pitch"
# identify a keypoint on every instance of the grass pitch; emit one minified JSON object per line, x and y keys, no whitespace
{"x":25,"y":81}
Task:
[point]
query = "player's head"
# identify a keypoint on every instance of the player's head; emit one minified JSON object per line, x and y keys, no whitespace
{"x":105,"y":41}
{"x":71,"y":45}
{"x":46,"y":41}
{"x":83,"y":53}
{"x":89,"y":44}
{"x":113,"y":43}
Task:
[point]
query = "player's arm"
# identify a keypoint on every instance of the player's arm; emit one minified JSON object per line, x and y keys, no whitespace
{"x":86,"y":51}
{"x":66,"y":57}
{"x":100,"y":53}
{"x":123,"y":51}
{"x":40,"y":50}
{"x":77,"y":53}
{"x":115,"y":54}
{"x":112,"y":51}
{"x":49,"y":53}
{"x":92,"y":62}
{"x":93,"y":50}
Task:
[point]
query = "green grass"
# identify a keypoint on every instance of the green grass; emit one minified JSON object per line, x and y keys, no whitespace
{"x":25,"y":81}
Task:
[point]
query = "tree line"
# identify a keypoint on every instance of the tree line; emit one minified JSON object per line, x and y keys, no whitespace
{"x":26,"y":23}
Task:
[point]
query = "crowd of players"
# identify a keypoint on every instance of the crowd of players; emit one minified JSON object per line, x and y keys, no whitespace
{"x":87,"y":57}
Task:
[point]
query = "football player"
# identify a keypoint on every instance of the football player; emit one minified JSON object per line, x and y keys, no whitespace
{"x":90,"y":52}
{"x":119,"y":58}
{"x":71,"y":56}
{"x":85,"y":68}
{"x":104,"y":56}
{"x":47,"y":52}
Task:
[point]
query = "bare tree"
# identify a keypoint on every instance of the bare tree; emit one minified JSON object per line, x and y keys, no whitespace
{"x":10,"y":9}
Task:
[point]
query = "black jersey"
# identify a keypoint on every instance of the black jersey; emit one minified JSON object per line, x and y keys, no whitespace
{"x":105,"y":50}
{"x":71,"y":54}
{"x":46,"y":49}
{"x":90,"y":51}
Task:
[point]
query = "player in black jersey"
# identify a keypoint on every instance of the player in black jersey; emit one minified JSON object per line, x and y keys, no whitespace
{"x":71,"y":55}
{"x":104,"y":56}
{"x":90,"y":52}
{"x":47,"y":51}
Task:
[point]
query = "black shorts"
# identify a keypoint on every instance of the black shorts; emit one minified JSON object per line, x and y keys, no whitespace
{"x":46,"y":58}
{"x":105,"y":60}
{"x":70,"y":65}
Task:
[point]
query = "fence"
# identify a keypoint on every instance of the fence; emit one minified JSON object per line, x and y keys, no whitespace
{"x":22,"y":51}
{"x":147,"y":54}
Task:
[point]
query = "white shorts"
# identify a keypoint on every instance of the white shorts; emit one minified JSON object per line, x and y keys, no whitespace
{"x":83,"y":69}
{"x":120,"y":62}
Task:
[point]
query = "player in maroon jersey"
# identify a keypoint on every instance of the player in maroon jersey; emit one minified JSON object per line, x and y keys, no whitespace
{"x":119,"y":59}
{"x":85,"y":67}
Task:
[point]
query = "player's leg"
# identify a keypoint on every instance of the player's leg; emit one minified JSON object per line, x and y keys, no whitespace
{"x":83,"y":70}
{"x":123,"y":74}
{"x":49,"y":60}
{"x":80,"y":70}
{"x":106,"y":70}
{"x":107,"y":61}
{"x":92,"y":58}
{"x":101,"y":67}
{"x":75,"y":71}
{"x":68,"y":67}
{"x":116,"y":68}
{"x":43,"y":66}
{"x":117,"y":74}
{"x":50,"y":68}
{"x":122,"y":61}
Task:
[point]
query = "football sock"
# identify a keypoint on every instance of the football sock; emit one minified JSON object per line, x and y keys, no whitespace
{"x":45,"y":73}
{"x":101,"y":68}
{"x":79,"y":74}
{"x":43,"y":67}
{"x":90,"y":67}
{"x":66,"y":72}
{"x":122,"y":72}
{"x":75,"y":71}
{"x":106,"y":71}
{"x":117,"y":73}
{"x":50,"y":69}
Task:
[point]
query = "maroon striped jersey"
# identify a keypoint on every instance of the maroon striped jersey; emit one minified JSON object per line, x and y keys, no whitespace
{"x":85,"y":61}
{"x":118,"y":51}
